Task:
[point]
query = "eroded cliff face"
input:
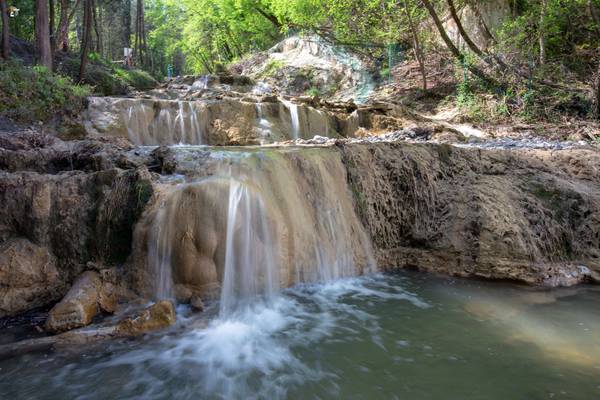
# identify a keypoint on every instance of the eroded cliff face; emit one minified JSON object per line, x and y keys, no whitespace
{"x":60,"y":211}
{"x":525,"y":215}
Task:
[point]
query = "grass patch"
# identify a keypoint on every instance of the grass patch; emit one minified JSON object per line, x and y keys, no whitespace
{"x":140,"y":80}
{"x":29,"y":94}
{"x":271,"y":68}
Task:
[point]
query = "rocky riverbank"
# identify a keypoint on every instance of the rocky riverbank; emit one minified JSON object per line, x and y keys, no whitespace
{"x":322,"y":187}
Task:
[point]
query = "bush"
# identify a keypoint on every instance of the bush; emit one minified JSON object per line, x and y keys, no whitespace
{"x":271,"y":68}
{"x":140,"y":80}
{"x":101,"y":78}
{"x":29,"y":94}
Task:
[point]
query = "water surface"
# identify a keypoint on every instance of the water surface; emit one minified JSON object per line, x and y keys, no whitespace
{"x":407,"y":336}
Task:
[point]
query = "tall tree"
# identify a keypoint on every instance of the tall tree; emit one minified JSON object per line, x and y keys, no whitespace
{"x":416,"y":44}
{"x":139,"y":50}
{"x":97,"y":23}
{"x":595,"y":17}
{"x":52,"y":26}
{"x":87,"y":36}
{"x":542,"y":31}
{"x":66,"y":16}
{"x":453,"y":49}
{"x":5,"y":30}
{"x":127,"y":23}
{"x":462,"y":31}
{"x":42,"y":34}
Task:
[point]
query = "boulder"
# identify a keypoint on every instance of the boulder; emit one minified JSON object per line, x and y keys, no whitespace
{"x":28,"y":277}
{"x":158,"y":316}
{"x":197,"y":303}
{"x":79,"y":306}
{"x":89,"y":295}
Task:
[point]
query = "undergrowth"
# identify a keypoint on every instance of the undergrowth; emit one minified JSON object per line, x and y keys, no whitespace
{"x":517,"y":101}
{"x":29,"y":94}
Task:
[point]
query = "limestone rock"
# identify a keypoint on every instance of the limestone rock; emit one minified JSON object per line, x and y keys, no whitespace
{"x":527,"y":215}
{"x":197,"y":303}
{"x":79,"y":306}
{"x":158,"y":316}
{"x":28,"y":277}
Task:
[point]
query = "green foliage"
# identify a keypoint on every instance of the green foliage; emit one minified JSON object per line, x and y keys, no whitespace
{"x":385,"y":73}
{"x":565,"y":25}
{"x":29,"y":94}
{"x":271,"y":68}
{"x":314,"y":92}
{"x":140,"y":80}
{"x":102,"y":79}
{"x":23,"y":25}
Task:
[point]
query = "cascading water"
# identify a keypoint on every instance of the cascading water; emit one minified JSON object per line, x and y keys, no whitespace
{"x":264,"y":125}
{"x":201,"y":83}
{"x":295,"y":118}
{"x":250,"y":257}
{"x":164,"y":122}
{"x":288,"y":218}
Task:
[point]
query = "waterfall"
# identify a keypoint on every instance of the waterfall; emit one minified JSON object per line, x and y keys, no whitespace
{"x":295,"y":118}
{"x":250,"y":260}
{"x":137,"y":130}
{"x":264,"y":126}
{"x":252,"y":222}
{"x":159,"y":256}
{"x":201,"y":83}
{"x":167,"y":122}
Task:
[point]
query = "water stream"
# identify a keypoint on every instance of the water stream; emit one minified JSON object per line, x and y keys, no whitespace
{"x":406,"y":336}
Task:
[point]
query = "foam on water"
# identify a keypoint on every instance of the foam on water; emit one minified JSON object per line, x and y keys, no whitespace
{"x":370,"y":337}
{"x":252,"y":352}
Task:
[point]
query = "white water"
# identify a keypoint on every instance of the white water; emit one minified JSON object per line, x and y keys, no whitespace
{"x":201,"y":83}
{"x":251,"y":253}
{"x":253,"y":353}
{"x":256,"y":225}
{"x":295,"y":118}
{"x":175,"y":122}
{"x":264,"y":126}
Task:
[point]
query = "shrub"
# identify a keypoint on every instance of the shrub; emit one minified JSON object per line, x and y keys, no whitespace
{"x":29,"y":94}
{"x":140,"y":80}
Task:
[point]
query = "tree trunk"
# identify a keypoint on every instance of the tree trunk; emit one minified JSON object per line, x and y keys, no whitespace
{"x":62,"y":22}
{"x":416,"y":45}
{"x":542,"y":34}
{"x":597,"y":94}
{"x":42,"y":34}
{"x":97,"y":28}
{"x":52,"y":27}
{"x":462,"y":31}
{"x":127,"y":24}
{"x":5,"y":30}
{"x":140,"y":50}
{"x":87,"y":37}
{"x":595,"y":17}
{"x":453,"y":49}
{"x":65,"y":20}
{"x":486,"y":30}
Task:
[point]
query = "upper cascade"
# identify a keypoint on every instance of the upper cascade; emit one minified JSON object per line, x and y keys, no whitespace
{"x":259,"y":101}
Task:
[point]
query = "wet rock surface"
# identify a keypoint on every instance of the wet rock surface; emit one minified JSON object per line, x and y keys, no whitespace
{"x":28,"y":276}
{"x":160,"y":315}
{"x":57,"y":217}
{"x":526,"y":215}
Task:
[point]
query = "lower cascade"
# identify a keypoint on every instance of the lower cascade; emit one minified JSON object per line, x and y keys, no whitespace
{"x":261,"y":221}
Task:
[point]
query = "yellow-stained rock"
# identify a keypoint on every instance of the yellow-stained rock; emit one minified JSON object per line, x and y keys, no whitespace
{"x":158,"y":316}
